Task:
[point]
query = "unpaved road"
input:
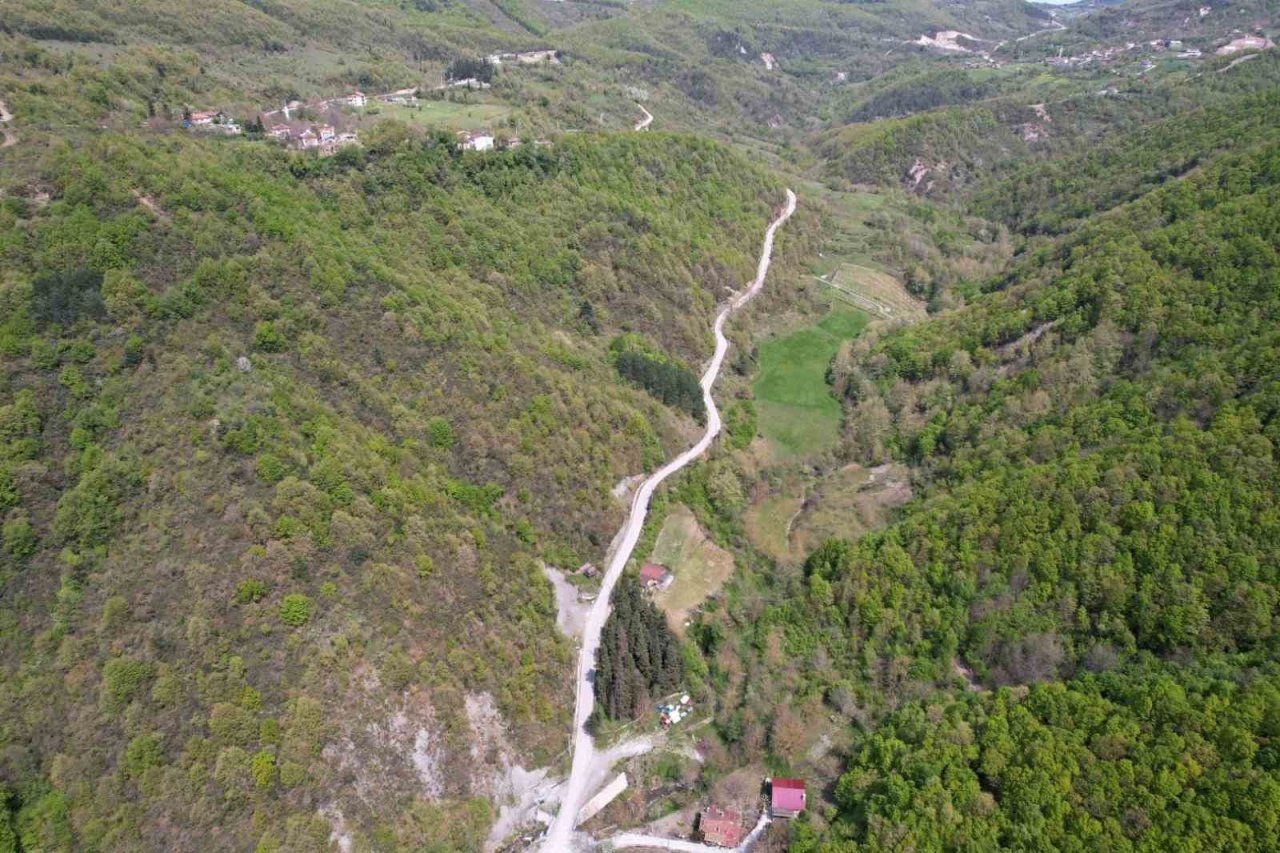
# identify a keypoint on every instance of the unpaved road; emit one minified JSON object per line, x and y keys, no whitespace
{"x":635,"y":839}
{"x":575,"y":791}
{"x":643,"y":124}
{"x":9,"y":137}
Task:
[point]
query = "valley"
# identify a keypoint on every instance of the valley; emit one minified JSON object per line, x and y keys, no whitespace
{"x":689,"y":425}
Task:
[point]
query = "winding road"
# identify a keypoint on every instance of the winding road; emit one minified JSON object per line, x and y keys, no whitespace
{"x":575,"y":792}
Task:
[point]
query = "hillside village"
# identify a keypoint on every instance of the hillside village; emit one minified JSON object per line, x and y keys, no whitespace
{"x":294,"y":126}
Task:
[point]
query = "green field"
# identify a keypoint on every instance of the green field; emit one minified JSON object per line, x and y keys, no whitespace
{"x":445,"y":114}
{"x":798,"y":415}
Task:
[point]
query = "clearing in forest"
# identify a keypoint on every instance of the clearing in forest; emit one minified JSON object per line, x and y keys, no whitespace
{"x":875,"y":292}
{"x":845,"y":503}
{"x":700,"y":566}
{"x":446,"y":114}
{"x":798,"y":414}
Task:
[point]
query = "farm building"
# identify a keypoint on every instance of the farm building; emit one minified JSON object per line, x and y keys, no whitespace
{"x":786,"y":797}
{"x":653,"y":576}
{"x":721,"y":827}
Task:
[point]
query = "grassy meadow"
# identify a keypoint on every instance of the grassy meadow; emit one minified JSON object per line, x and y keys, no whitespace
{"x":798,"y":415}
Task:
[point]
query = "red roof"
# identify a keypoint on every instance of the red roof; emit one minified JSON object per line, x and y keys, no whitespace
{"x":652,"y":572}
{"x":787,"y":795}
{"x":722,"y":828}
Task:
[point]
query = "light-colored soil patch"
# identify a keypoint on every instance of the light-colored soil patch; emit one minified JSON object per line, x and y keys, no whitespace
{"x":767,"y":525}
{"x":571,"y":614}
{"x":875,"y":292}
{"x":7,"y":136}
{"x":846,"y":503}
{"x":700,"y":566}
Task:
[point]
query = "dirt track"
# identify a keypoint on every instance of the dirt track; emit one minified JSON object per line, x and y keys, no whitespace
{"x":576,"y":790}
{"x":10,"y":137}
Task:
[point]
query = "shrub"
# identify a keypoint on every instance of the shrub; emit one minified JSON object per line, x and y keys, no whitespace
{"x":425,"y":566}
{"x":231,"y":725}
{"x":66,"y":297}
{"x":122,"y":679}
{"x":19,"y":537}
{"x":440,"y":433}
{"x":295,"y":610}
{"x":89,"y":513}
{"x":133,"y":350}
{"x":249,"y":591}
{"x":292,"y":774}
{"x":263,"y":768}
{"x":270,"y":468}
{"x":268,"y":338}
{"x":8,"y":490}
{"x":142,"y":753}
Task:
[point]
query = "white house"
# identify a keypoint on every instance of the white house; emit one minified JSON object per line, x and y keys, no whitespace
{"x":357,"y":100}
{"x":475,"y":141}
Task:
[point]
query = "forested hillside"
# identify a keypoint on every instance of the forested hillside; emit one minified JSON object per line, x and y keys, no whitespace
{"x":1093,"y":545}
{"x":293,"y":440}
{"x":284,"y":438}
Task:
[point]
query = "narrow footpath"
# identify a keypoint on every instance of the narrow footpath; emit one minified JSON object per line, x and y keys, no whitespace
{"x":559,"y":838}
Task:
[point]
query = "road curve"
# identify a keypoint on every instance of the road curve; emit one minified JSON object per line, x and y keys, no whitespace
{"x":657,"y":842}
{"x":559,"y":835}
{"x":643,"y":124}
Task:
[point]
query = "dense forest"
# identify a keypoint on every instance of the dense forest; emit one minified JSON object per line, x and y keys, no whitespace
{"x":1068,"y":638}
{"x":671,"y":383}
{"x":639,"y":659}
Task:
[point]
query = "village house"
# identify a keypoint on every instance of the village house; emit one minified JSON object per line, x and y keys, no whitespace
{"x":653,"y":576}
{"x":475,"y":141}
{"x":786,"y":797}
{"x":308,"y":139}
{"x":281,"y":132}
{"x":204,"y":118}
{"x":326,"y":134}
{"x":356,"y":100}
{"x":720,"y":827}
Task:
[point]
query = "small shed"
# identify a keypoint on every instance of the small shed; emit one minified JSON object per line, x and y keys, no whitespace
{"x":653,"y":576}
{"x":786,"y":797}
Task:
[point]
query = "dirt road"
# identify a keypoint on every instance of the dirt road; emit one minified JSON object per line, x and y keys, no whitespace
{"x":635,"y":839}
{"x":8,"y":136}
{"x":559,"y":836}
{"x":643,"y":124}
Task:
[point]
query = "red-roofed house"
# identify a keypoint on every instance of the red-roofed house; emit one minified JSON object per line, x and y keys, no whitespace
{"x":653,"y":576}
{"x":786,"y":797}
{"x":721,"y":827}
